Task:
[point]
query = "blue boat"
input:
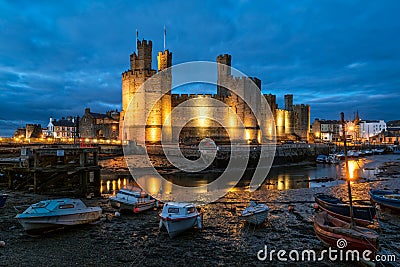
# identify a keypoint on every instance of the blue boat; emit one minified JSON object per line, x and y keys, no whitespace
{"x":386,"y":198}
{"x":321,"y":159}
{"x":3,"y":199}
{"x":362,"y":214}
{"x":53,"y":214}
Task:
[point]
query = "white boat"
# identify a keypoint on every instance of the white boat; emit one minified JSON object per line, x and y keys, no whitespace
{"x":340,"y":155}
{"x":178,"y":217}
{"x":332,"y":159}
{"x":132,"y":199}
{"x":57,"y":213}
{"x":353,"y":154}
{"x":378,"y":151}
{"x":255,"y":213}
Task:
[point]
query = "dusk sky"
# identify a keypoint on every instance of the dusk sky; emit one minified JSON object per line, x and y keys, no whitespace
{"x":58,"y":57}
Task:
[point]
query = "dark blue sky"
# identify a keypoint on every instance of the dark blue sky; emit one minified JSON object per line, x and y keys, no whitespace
{"x":58,"y":57}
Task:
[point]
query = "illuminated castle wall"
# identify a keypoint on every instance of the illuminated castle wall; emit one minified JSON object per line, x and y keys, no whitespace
{"x":291,"y":122}
{"x":139,"y":72}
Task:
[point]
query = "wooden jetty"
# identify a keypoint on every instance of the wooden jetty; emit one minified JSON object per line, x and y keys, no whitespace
{"x":56,"y":170}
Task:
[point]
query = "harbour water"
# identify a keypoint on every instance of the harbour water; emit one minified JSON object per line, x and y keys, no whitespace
{"x":280,"y":178}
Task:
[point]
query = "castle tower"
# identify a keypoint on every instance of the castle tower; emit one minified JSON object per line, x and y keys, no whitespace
{"x":142,"y":61}
{"x":164,"y":60}
{"x":224,"y":73}
{"x":144,"y":112}
{"x":140,"y":70}
{"x":289,"y":102}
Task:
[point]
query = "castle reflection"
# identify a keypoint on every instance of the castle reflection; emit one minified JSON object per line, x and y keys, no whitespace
{"x":278,"y":178}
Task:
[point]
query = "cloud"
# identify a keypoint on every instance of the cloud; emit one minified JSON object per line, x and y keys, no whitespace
{"x":59,"y":57}
{"x":356,"y":65}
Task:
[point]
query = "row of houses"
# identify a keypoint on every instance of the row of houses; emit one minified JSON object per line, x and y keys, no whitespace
{"x":356,"y":131}
{"x":91,"y":125}
{"x":106,"y":126}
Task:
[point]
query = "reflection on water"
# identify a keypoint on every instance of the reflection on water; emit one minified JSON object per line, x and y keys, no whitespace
{"x":278,"y":178}
{"x":111,"y":186}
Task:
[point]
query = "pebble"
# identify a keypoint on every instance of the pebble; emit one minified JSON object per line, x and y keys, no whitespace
{"x":2,"y":244}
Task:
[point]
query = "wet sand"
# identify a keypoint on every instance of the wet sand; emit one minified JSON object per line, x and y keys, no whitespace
{"x":134,"y":239}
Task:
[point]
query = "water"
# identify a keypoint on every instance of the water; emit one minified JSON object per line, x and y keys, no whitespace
{"x":280,"y":178}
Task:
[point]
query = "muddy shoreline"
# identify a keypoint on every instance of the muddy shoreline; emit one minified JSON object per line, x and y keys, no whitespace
{"x":134,"y":239}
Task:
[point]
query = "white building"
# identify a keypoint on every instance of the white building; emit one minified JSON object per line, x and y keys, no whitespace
{"x":370,"y":128}
{"x":64,"y":128}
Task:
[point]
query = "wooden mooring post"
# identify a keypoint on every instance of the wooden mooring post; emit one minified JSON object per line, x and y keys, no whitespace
{"x":59,"y":171}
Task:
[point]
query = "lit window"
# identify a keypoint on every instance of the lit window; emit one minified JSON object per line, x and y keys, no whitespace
{"x":173,"y":210}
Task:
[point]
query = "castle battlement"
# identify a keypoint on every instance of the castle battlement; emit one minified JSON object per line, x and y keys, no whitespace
{"x":165,"y":52}
{"x":222,"y":57}
{"x":137,"y":73}
{"x":189,"y":96}
{"x":180,"y":98}
{"x":144,"y":43}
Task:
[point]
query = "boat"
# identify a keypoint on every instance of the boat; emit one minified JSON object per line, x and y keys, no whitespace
{"x":178,"y":217}
{"x":396,"y":149}
{"x":134,"y":199}
{"x":363,"y":214}
{"x":57,"y":213}
{"x":378,"y":151}
{"x":386,"y":198}
{"x":255,"y":213}
{"x":340,"y":155}
{"x":321,"y":159}
{"x":353,"y":154}
{"x":332,"y":159}
{"x":336,"y":233}
{"x":368,"y":152}
{"x":3,"y":199}
{"x":361,"y":153}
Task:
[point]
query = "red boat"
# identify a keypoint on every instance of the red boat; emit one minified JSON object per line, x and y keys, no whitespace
{"x":330,"y":229}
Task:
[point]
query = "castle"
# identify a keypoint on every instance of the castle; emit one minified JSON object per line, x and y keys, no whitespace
{"x":291,"y":123}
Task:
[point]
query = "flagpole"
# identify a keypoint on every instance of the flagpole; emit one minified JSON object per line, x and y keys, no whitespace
{"x":165,"y":37}
{"x":137,"y":37}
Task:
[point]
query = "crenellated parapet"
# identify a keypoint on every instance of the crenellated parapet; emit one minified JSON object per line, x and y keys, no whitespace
{"x":177,"y":99}
{"x":137,"y":73}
